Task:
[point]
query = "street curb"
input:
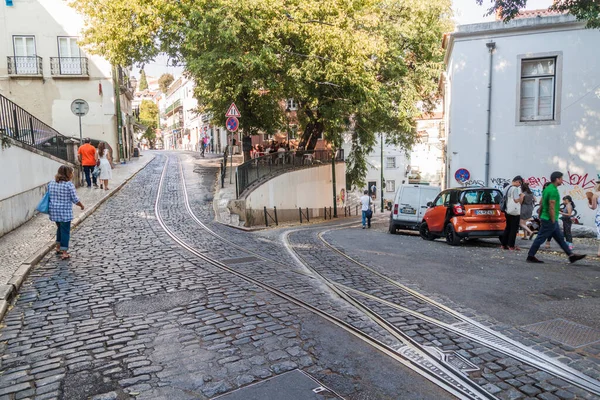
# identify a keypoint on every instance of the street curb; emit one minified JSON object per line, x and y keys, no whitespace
{"x":9,"y":291}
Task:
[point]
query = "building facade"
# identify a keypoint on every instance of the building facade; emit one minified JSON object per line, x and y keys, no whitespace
{"x":539,"y":76}
{"x":43,"y":69}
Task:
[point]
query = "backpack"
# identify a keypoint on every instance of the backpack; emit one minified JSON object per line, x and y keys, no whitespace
{"x":504,"y":199}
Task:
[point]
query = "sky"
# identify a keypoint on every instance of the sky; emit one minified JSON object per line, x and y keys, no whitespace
{"x":465,"y":12}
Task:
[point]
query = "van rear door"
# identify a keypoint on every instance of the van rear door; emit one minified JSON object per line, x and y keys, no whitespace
{"x":428,"y":194}
{"x":408,"y":204}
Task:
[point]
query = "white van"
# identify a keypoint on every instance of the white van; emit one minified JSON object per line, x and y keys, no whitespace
{"x":410,"y":204}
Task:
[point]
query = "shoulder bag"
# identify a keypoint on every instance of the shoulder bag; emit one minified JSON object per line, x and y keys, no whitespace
{"x":44,"y":205}
{"x":512,"y":207}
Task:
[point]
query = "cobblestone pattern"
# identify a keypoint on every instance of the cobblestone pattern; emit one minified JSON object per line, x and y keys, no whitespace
{"x":585,"y":359}
{"x":500,"y":374}
{"x":126,"y":321}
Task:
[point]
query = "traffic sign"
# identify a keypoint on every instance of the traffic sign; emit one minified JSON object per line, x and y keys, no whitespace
{"x":80,"y":107}
{"x":462,"y":175}
{"x":232,"y":124}
{"x":233,"y":111}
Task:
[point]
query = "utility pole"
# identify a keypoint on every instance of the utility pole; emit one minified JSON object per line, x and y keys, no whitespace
{"x":334,"y":183}
{"x":382,"y":183}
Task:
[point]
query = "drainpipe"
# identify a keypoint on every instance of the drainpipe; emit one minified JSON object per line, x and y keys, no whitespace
{"x":491,"y":47}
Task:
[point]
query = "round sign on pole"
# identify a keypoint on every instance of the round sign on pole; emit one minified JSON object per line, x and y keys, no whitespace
{"x":80,"y":107}
{"x":232,"y":124}
{"x":462,"y":175}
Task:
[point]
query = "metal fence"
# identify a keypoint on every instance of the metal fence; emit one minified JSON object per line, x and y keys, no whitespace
{"x":272,"y":164}
{"x":69,"y":66}
{"x":20,"y":125}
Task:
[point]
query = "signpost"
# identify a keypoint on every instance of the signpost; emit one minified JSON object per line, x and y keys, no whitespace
{"x":232,"y":124}
{"x":80,"y":108}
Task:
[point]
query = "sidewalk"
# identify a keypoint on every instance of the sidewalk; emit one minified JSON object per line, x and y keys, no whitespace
{"x":27,"y":243}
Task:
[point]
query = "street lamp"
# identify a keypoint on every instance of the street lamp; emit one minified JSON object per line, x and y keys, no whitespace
{"x":287,"y":118}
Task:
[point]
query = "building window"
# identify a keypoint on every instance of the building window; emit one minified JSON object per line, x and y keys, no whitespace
{"x":25,"y":59}
{"x":390,"y":162}
{"x":291,"y":105}
{"x":538,"y":89}
{"x":390,"y":186}
{"x":69,"y":57}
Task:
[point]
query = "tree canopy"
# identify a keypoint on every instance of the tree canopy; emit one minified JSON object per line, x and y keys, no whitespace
{"x":165,"y":81}
{"x":359,"y":67}
{"x":149,"y":118}
{"x":143,"y":81}
{"x":583,"y":10}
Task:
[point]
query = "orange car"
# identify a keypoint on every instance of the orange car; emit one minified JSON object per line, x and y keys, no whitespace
{"x":464,"y":213}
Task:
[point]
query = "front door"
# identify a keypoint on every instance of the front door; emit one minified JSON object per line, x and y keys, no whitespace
{"x":69,"y":56}
{"x":436,"y":217}
{"x":25,"y":55}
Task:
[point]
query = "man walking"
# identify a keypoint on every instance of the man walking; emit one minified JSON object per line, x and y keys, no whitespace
{"x":512,"y":211}
{"x":365,"y":201}
{"x":549,"y":214}
{"x":87,"y":158}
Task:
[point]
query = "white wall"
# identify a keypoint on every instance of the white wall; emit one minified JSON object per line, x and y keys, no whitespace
{"x":19,"y":197}
{"x":533,"y":151}
{"x":310,"y":187}
{"x":49,"y":99}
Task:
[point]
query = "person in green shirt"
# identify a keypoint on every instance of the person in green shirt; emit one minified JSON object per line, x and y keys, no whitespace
{"x":549,"y":215}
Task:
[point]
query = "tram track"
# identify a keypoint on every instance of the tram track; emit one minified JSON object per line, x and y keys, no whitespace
{"x":426,"y":360}
{"x":446,"y":377}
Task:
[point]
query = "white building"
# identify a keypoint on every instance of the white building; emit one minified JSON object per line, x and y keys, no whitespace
{"x":43,"y":70}
{"x":427,"y":157}
{"x":545,"y":103}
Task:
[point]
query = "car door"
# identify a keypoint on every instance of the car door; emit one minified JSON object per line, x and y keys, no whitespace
{"x":436,"y":216}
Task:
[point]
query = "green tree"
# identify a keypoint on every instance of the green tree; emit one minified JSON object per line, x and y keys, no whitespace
{"x":143,"y":81}
{"x":149,"y":118}
{"x":583,"y":10}
{"x":356,"y":68}
{"x":165,"y":81}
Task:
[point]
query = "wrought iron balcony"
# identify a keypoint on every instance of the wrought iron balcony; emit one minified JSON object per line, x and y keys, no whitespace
{"x":24,"y":65}
{"x":69,"y":66}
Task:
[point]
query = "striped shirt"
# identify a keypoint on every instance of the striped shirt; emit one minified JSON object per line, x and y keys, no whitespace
{"x":62,"y":198}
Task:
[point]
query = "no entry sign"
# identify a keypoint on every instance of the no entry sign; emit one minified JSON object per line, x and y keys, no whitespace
{"x":232,"y":124}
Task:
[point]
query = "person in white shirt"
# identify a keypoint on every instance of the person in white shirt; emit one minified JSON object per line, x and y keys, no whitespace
{"x":365,"y":200}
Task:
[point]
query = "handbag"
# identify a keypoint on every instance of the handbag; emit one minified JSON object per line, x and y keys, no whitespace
{"x":96,"y":171}
{"x":369,"y":213}
{"x":512,"y":207}
{"x":44,"y":205}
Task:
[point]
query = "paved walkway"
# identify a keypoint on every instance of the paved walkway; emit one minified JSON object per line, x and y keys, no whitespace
{"x":27,"y":240}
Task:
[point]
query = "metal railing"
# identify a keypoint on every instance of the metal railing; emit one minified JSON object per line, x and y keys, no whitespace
{"x":20,"y":125}
{"x":69,"y":66}
{"x":273,"y":164}
{"x":26,"y":65}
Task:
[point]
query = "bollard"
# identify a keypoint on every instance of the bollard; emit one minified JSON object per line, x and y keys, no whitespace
{"x":276,"y":223}
{"x":307,"y":219}
{"x":300,"y":213}
{"x":357,"y":210}
{"x":266,"y":220}
{"x":325,"y":213}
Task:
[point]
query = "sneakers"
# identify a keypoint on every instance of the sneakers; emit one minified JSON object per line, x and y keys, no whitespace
{"x":534,"y":259}
{"x":516,"y":248}
{"x":576,"y":257}
{"x":364,"y":227}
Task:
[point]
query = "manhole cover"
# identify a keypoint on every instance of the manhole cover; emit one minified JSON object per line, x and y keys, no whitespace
{"x":293,"y":385}
{"x":240,"y":260}
{"x":566,"y":332}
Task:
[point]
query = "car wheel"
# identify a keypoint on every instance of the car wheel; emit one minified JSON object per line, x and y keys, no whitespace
{"x":451,"y":237}
{"x":424,"y":232}
{"x":392,"y":227}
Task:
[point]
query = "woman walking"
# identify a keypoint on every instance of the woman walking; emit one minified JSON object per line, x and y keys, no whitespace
{"x":62,"y":197}
{"x":105,"y":165}
{"x":565,"y":216}
{"x":527,"y":205}
{"x":594,"y":204}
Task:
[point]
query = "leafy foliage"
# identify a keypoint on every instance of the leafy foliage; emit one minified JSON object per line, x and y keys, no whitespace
{"x":143,"y":81}
{"x":583,"y":10}
{"x":165,"y":81}
{"x":355,"y":67}
{"x":149,"y":118}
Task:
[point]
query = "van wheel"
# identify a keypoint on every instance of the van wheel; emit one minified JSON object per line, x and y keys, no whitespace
{"x":451,"y":237}
{"x":392,"y":227}
{"x":424,"y":232}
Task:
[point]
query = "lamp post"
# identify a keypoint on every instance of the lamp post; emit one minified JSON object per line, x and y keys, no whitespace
{"x":382,"y":183}
{"x":287,"y":119}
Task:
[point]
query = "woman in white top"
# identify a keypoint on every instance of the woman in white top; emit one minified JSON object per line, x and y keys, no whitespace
{"x":105,"y":164}
{"x":594,"y":204}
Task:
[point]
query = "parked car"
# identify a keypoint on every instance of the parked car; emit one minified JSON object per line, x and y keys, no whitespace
{"x":409,"y":206}
{"x":464,"y":213}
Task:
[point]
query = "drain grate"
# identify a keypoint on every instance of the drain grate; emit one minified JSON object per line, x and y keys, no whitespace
{"x":565,"y":332}
{"x":240,"y":260}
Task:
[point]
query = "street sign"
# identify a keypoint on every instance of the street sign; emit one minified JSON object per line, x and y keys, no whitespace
{"x":232,"y":124}
{"x":80,"y":107}
{"x":462,"y":175}
{"x":233,"y":111}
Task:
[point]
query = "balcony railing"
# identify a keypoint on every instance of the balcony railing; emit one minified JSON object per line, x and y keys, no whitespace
{"x":266,"y":167}
{"x":25,"y":65}
{"x":173,"y":106}
{"x":69,"y":66}
{"x":20,"y":125}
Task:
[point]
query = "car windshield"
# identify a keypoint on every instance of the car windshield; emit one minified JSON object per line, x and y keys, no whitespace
{"x":481,"y":196}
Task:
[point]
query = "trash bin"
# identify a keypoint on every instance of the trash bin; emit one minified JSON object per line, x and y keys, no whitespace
{"x":136,"y":152}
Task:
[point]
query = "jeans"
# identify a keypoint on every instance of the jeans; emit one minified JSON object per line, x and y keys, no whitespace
{"x":549,"y":229}
{"x":88,"y":173}
{"x":365,"y":219}
{"x":63,"y":234}
{"x":509,"y":236}
{"x":567,"y":223}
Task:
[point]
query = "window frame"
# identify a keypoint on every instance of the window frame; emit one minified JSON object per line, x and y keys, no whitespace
{"x":387,"y":164}
{"x":558,"y":68}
